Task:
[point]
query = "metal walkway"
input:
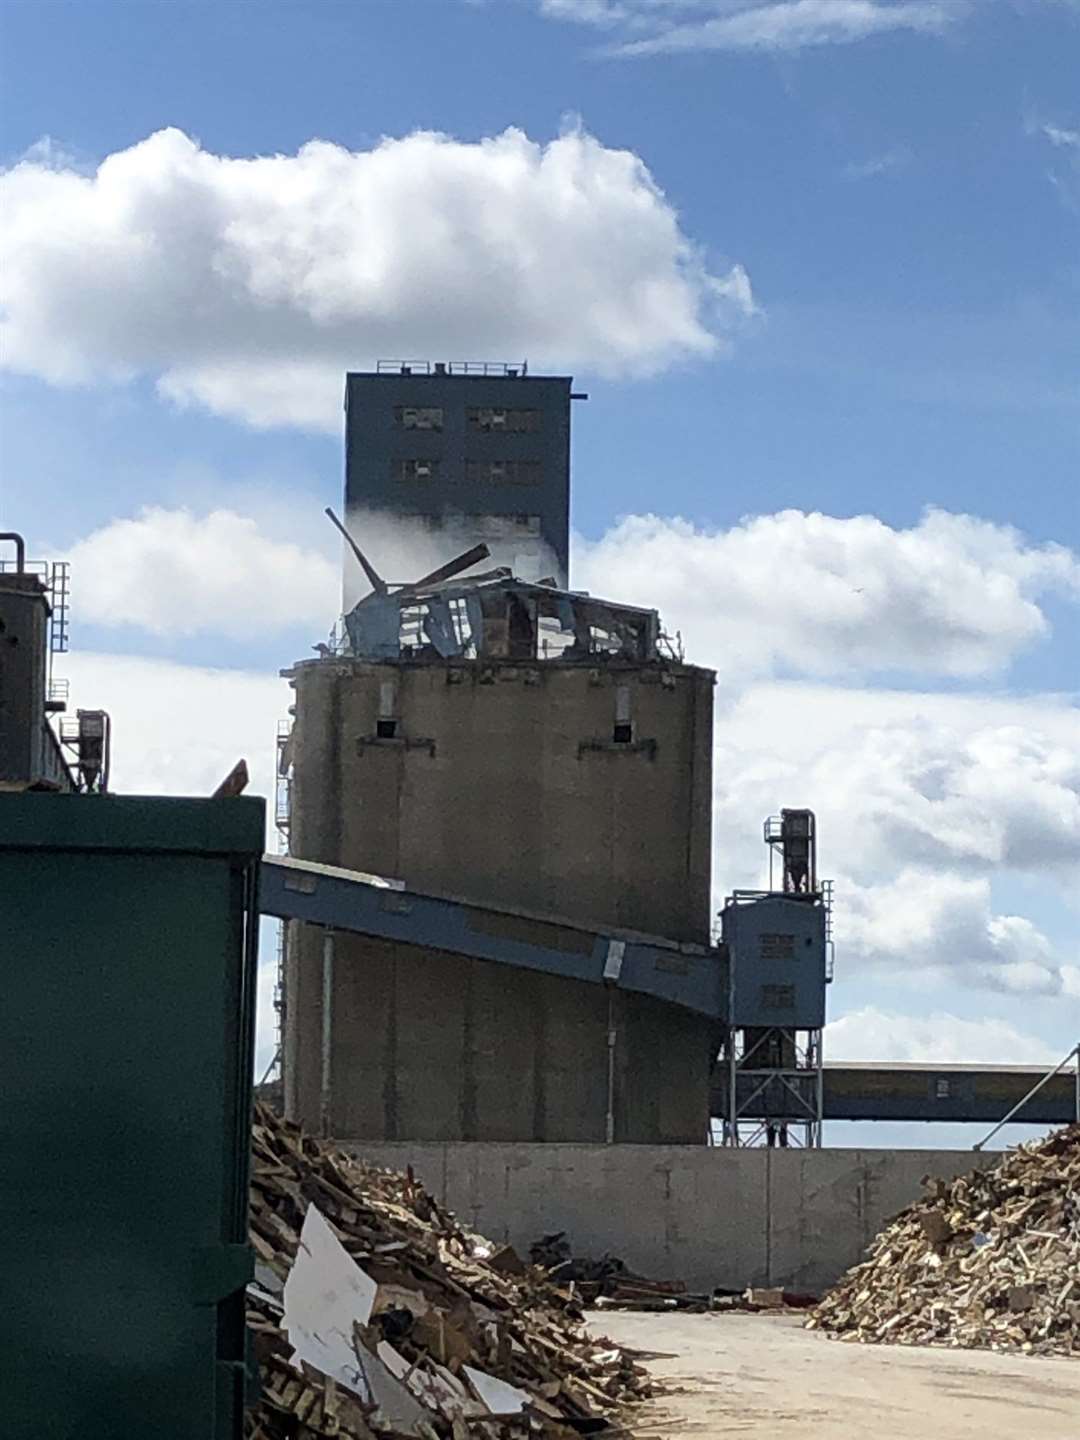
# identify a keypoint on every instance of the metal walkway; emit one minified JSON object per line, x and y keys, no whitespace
{"x":956,"y":1093}
{"x":690,"y":976}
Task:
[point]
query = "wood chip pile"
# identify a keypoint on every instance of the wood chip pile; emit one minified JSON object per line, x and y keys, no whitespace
{"x":988,"y":1261}
{"x":461,"y":1340}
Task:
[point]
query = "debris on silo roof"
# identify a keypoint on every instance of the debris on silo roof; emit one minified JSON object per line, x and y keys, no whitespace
{"x":987,"y":1261}
{"x":374,"y":1314}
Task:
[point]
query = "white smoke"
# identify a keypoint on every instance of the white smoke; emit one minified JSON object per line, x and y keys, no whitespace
{"x":403,"y":548}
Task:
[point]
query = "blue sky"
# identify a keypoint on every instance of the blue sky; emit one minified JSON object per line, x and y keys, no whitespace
{"x":896,"y":186}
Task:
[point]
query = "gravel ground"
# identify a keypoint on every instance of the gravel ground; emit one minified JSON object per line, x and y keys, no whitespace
{"x":760,"y":1375}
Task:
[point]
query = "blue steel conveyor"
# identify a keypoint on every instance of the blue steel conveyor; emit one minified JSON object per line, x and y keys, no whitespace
{"x":687,"y":975}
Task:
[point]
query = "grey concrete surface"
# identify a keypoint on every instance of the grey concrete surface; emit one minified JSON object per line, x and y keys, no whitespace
{"x":709,"y":1217}
{"x":758,"y":1375}
{"x":501,"y":787}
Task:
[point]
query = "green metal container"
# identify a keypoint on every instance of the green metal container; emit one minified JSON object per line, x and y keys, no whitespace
{"x":128,"y":954}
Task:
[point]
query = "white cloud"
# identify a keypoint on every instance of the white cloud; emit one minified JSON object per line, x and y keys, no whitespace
{"x":937,"y":924}
{"x":810,"y":593}
{"x":171,"y":572}
{"x":922,"y":800}
{"x":176,"y":572}
{"x":1062,"y":138}
{"x":265,"y":1013}
{"x":966,"y":793}
{"x":250,"y":285}
{"x":1064,"y":175}
{"x":49,"y":154}
{"x":938,"y":1038}
{"x":748,"y":25}
{"x":179,"y":729}
{"x":967,"y":783}
{"x":588,"y":12}
{"x":952,"y":595}
{"x":895,"y":159}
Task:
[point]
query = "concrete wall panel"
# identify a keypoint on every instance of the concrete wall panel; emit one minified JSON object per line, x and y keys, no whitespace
{"x":437,"y":1047}
{"x":502,"y":785}
{"x":827,"y":1205}
{"x":709,"y":1217}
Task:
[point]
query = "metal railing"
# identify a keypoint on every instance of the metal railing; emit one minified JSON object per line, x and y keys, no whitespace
{"x":59,"y":584}
{"x":830,"y":944}
{"x":1074,"y":1053}
{"x":451,"y":367}
{"x":55,"y":576}
{"x":283,"y":785}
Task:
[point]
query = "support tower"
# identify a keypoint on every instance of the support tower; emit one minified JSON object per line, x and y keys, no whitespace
{"x":779,"y":944}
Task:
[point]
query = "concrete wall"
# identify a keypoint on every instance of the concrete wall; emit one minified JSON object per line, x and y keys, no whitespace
{"x":710,"y":1217}
{"x":502,"y":785}
{"x":433,"y":1046}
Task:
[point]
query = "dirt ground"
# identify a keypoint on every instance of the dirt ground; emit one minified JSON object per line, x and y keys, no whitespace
{"x":759,"y":1375}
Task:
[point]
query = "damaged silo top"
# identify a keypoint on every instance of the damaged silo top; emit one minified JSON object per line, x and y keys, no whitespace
{"x":493,"y":616}
{"x":498,"y":617}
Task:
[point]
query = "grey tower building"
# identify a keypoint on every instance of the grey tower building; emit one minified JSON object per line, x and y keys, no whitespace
{"x":481,"y":449}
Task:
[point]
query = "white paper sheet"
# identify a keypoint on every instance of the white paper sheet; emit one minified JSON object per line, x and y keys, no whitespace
{"x":499,"y":1397}
{"x":326,"y":1293}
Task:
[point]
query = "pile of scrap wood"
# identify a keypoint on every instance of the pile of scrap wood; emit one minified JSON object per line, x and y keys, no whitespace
{"x":988,"y":1261}
{"x":609,"y":1284}
{"x":606,"y":1278}
{"x":375,"y":1314}
{"x":632,"y":1294}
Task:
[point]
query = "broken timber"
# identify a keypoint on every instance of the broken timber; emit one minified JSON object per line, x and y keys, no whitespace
{"x":451,"y":1337}
{"x":988,"y":1261}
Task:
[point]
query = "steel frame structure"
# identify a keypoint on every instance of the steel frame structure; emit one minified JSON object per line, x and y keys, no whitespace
{"x":769,"y":1105}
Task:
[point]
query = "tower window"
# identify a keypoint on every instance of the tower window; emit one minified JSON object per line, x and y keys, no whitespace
{"x":623,"y":730}
{"x":418,"y":417}
{"x":415,"y":469}
{"x":494,"y":420}
{"x":503,"y":472}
